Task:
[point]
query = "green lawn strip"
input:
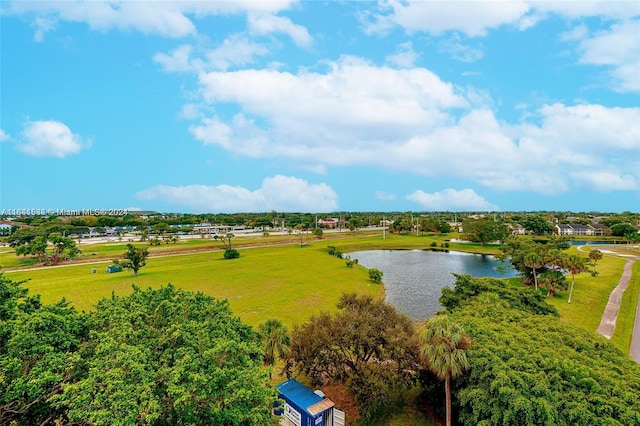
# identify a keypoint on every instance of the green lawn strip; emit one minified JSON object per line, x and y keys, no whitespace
{"x":626,"y":317}
{"x":285,"y":282}
{"x":590,"y":294}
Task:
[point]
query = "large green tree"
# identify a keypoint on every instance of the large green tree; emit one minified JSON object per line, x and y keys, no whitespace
{"x":366,"y":345}
{"x":444,"y":346}
{"x":165,"y":357}
{"x":537,"y":224}
{"x":36,"y":342}
{"x":484,"y":230}
{"x":134,"y":258}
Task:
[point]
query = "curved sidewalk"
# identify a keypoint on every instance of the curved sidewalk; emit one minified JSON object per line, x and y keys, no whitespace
{"x":608,"y":322}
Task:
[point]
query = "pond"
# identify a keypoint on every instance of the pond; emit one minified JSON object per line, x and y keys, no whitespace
{"x":413,"y":279}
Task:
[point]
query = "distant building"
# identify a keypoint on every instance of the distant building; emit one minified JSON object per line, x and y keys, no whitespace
{"x":6,"y":225}
{"x":576,"y":229}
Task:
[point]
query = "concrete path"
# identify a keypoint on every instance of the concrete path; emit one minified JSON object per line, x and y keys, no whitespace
{"x":608,"y":322}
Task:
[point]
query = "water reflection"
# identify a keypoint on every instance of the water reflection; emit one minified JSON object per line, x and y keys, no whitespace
{"x":413,"y":279}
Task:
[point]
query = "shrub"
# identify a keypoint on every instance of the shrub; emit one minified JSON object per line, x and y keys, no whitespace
{"x":375,"y":275}
{"x":231,"y":254}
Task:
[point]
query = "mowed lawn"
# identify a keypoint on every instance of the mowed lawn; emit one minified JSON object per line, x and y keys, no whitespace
{"x":285,"y":282}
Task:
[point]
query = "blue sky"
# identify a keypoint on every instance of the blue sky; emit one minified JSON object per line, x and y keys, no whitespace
{"x":252,"y":106}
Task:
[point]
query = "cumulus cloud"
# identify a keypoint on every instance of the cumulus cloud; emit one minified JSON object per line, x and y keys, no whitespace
{"x":50,"y":139}
{"x":618,"y":49}
{"x":280,"y":193}
{"x":409,"y":119}
{"x":473,"y":18}
{"x":167,"y":19}
{"x":451,"y":200}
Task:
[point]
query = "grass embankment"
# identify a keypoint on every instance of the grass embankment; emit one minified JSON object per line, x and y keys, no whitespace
{"x":590,"y":294}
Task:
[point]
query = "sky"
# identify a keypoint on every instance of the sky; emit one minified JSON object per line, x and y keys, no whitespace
{"x":320,"y":106}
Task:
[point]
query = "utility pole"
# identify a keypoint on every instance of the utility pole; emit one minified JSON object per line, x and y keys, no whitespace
{"x":384,"y":226}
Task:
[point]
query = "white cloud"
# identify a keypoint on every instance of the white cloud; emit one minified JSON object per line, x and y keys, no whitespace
{"x":166,"y":18}
{"x":179,"y":60}
{"x":307,"y":112}
{"x":4,"y":137}
{"x":262,"y":24}
{"x":451,"y":200}
{"x":473,"y":18}
{"x":619,"y":50}
{"x":605,"y":181}
{"x":410,"y":120}
{"x":50,"y":139}
{"x":236,"y":50}
{"x":280,"y":193}
{"x":405,"y":57}
{"x":579,"y":9}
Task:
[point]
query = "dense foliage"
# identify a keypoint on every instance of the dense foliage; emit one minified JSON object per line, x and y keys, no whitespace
{"x":35,"y":242}
{"x":467,"y":288}
{"x":535,"y":369}
{"x":156,"y":357}
{"x":35,"y":344}
{"x":484,"y":230}
{"x":366,"y":345}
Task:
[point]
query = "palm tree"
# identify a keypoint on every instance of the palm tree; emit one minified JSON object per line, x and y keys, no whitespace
{"x":444,"y":350}
{"x":553,"y":280}
{"x":595,"y":255}
{"x":533,"y":261}
{"x":574,"y":264}
{"x":276,"y":341}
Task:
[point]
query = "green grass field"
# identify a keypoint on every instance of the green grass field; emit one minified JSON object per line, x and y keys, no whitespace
{"x":285,"y":282}
{"x":590,"y":294}
{"x":282,"y":280}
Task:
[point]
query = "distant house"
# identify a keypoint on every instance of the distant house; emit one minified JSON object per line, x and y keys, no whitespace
{"x":600,"y":230}
{"x":330,"y":223}
{"x":6,"y":225}
{"x":304,"y":407}
{"x":576,"y":229}
{"x":456,"y":226}
{"x":563,"y":229}
{"x":517,"y":229}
